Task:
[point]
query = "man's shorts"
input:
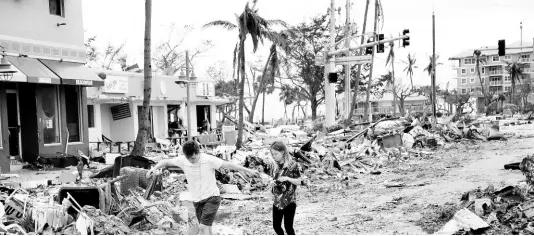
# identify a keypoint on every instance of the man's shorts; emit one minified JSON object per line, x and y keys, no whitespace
{"x":207,"y":209}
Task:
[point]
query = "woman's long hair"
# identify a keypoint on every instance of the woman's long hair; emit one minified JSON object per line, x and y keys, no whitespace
{"x":281,"y":147}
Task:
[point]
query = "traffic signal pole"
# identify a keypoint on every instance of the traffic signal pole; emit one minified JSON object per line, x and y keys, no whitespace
{"x":345,"y":50}
{"x":347,"y":67}
{"x":330,"y":101}
{"x":434,"y":67}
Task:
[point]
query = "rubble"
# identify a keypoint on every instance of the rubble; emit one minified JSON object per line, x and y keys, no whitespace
{"x":160,"y":205}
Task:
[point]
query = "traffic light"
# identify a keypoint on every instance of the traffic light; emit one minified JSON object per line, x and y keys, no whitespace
{"x":502,"y":47}
{"x":332,"y":77}
{"x":380,"y":46}
{"x":406,"y":41}
{"x":369,"y":50}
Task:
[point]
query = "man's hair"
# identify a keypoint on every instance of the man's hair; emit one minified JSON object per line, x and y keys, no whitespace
{"x":190,"y":148}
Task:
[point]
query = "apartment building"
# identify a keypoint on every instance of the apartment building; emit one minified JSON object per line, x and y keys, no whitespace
{"x":493,"y":72}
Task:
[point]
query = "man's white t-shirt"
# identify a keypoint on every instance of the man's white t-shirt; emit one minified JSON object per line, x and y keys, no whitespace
{"x":200,"y":176}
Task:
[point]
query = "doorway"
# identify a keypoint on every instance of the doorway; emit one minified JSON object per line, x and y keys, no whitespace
{"x":203,"y":114}
{"x":13,"y":122}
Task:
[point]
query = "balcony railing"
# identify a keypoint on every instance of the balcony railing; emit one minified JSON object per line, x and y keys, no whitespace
{"x":496,"y":72}
{"x":389,"y":109}
{"x":496,"y":83}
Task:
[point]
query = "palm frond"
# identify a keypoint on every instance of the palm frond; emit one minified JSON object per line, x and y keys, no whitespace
{"x":277,"y":22}
{"x":220,"y":23}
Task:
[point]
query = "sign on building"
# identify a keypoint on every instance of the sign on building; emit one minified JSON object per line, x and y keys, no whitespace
{"x":206,"y":89}
{"x":115,"y":84}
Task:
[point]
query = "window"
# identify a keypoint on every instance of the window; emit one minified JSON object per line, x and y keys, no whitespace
{"x":469,"y":61}
{"x":525,"y":58}
{"x":464,"y":91}
{"x":48,"y":113}
{"x":464,"y":71}
{"x":495,"y":58}
{"x":507,"y":79}
{"x":91,"y":116}
{"x":483,"y":71}
{"x":507,"y":88}
{"x":472,"y":80}
{"x":495,"y":71}
{"x":56,"y":7}
{"x":464,"y":81}
{"x":72,"y":107}
{"x":483,"y":80}
{"x":508,"y":57}
{"x":472,"y":70}
{"x":472,"y":90}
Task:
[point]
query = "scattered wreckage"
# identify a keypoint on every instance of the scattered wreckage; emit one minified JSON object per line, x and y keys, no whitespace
{"x":94,"y":204}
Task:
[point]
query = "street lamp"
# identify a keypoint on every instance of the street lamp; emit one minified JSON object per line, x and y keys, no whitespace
{"x":191,"y":78}
{"x":6,"y":73}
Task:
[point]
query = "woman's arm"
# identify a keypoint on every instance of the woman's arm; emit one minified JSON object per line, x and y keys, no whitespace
{"x":297,"y":181}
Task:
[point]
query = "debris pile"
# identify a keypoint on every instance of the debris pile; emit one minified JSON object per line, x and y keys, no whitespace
{"x":509,"y":210}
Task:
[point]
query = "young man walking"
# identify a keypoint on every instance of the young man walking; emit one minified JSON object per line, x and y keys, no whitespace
{"x":199,"y":169}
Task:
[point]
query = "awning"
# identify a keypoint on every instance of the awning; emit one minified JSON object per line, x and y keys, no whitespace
{"x":34,"y":70}
{"x":73,"y":73}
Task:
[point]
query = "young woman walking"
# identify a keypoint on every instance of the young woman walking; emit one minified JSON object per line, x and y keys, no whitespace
{"x":286,"y":175}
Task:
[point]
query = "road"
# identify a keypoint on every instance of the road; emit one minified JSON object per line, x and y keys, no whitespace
{"x":434,"y":186}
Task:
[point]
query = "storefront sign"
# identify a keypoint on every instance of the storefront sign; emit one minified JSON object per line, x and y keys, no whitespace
{"x":44,"y":80}
{"x":84,"y":82}
{"x":116,"y":84}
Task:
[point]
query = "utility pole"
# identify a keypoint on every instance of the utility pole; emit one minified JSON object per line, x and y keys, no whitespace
{"x":330,"y":101}
{"x":347,"y":66}
{"x":189,"y":130}
{"x":368,"y":109}
{"x":434,"y":66}
{"x":521,"y":27}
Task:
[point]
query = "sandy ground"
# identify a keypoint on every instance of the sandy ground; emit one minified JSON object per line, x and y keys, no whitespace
{"x":366,"y":206}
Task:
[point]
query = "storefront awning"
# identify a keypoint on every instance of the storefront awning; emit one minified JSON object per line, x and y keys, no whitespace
{"x":34,"y":70}
{"x":73,"y":73}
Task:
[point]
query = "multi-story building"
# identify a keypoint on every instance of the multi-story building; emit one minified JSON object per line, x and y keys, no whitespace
{"x":493,"y":71}
{"x":114,"y":108}
{"x":43,"y":105}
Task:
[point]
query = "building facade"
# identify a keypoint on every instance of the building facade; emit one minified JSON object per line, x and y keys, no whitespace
{"x":114,"y":108}
{"x":493,"y":72}
{"x":43,"y":106}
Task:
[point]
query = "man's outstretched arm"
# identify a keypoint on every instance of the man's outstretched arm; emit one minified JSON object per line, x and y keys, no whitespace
{"x":232,"y":166}
{"x":163,"y":164}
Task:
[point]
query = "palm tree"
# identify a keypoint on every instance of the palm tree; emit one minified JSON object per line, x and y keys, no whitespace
{"x":271,"y":68}
{"x":391,"y":59}
{"x":287,"y":96}
{"x":144,"y":125}
{"x":480,"y":59}
{"x":516,"y":71}
{"x":410,"y":65}
{"x":248,"y":23}
{"x":430,"y":67}
{"x":357,"y":82}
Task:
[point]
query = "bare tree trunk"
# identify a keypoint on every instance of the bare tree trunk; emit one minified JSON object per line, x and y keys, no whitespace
{"x":368,"y":97}
{"x":394,"y":89}
{"x":142,"y":133}
{"x":357,"y":81}
{"x":239,"y":141}
{"x":260,"y":88}
{"x":263,"y":110}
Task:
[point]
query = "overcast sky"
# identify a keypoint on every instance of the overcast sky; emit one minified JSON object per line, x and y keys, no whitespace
{"x":460,"y":25}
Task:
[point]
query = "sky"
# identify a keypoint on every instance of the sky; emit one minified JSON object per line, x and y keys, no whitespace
{"x":460,"y":25}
